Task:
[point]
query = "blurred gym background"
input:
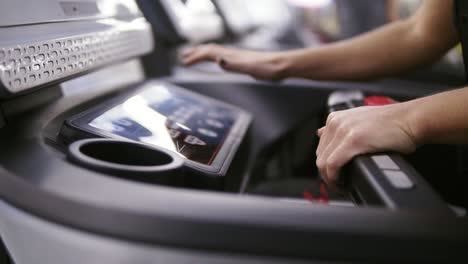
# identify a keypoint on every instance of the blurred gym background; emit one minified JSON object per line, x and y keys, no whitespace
{"x":283,"y":25}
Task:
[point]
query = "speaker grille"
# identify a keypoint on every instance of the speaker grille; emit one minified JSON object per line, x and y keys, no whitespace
{"x":29,"y":65}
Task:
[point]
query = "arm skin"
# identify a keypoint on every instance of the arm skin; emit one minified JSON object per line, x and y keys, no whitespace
{"x":441,"y":118}
{"x":389,"y":50}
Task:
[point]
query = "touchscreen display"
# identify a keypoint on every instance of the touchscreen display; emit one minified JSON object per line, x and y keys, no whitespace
{"x":170,"y":118}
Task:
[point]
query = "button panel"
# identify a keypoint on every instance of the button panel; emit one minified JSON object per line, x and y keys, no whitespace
{"x":384,"y":162}
{"x":398,"y":179}
{"x":392,"y":172}
{"x":26,"y":66}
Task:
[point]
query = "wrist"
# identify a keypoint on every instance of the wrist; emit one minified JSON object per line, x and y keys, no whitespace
{"x":290,"y":63}
{"x":304,"y":63}
{"x":283,"y":62}
{"x":415,"y":121}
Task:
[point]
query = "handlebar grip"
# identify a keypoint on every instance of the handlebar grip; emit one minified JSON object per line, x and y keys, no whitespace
{"x":385,"y":179}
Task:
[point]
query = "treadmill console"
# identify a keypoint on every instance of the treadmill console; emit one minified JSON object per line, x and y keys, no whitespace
{"x":61,"y":39}
{"x":205,"y":132}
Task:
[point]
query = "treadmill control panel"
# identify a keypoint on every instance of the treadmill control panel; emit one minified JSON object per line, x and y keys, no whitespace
{"x":393,"y":172}
{"x":200,"y":129}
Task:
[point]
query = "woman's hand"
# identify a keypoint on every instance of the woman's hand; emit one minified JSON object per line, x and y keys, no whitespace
{"x":359,"y":131}
{"x":260,"y":65}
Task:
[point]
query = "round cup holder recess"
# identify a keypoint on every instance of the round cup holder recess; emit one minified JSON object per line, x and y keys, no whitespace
{"x":126,"y":159}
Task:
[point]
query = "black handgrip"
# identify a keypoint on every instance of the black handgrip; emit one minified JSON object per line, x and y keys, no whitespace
{"x":398,"y":186}
{"x":385,"y":179}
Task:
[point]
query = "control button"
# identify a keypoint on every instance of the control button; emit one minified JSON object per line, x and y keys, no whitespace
{"x":207,"y":132}
{"x":214,"y":123}
{"x":174,"y":133}
{"x":36,"y":67}
{"x":398,"y":179}
{"x":193,"y":140}
{"x":384,"y":162}
{"x":378,"y":100}
{"x":22,"y":70}
{"x":32,"y":49}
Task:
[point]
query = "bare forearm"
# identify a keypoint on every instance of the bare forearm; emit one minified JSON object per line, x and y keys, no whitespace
{"x":368,"y":56}
{"x":441,"y":118}
{"x":387,"y":51}
{"x":390,"y":50}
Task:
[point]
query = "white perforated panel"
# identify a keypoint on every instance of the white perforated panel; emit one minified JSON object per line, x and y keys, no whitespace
{"x":29,"y":65}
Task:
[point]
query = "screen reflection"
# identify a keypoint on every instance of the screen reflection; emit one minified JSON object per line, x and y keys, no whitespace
{"x":172,"y":119}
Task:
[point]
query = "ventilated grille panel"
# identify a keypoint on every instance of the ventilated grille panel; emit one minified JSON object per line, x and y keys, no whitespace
{"x":33,"y":64}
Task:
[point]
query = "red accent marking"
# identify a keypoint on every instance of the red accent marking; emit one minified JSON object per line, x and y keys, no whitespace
{"x":378,"y":100}
{"x":323,"y":195}
{"x":323,"y":191}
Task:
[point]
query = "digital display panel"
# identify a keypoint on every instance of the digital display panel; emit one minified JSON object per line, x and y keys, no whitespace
{"x":172,"y":119}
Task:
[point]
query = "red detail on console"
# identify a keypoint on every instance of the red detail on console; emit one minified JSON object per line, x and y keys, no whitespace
{"x":378,"y":100}
{"x":323,"y":195}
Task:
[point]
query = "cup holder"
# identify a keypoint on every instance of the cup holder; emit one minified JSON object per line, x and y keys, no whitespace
{"x":130,"y":160}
